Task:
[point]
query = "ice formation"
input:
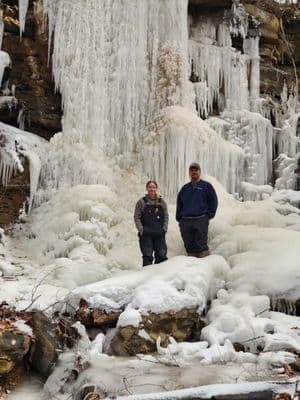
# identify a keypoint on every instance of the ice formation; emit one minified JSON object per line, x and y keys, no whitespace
{"x":284,"y":168}
{"x":228,"y":69}
{"x":254,"y":134}
{"x":16,"y":146}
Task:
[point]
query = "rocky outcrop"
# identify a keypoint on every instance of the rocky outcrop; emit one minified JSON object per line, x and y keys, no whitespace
{"x":30,"y":72}
{"x":181,"y":325}
{"x":128,"y":339}
{"x":28,"y":95}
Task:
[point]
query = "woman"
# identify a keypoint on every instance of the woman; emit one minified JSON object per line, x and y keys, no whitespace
{"x":151,"y":219}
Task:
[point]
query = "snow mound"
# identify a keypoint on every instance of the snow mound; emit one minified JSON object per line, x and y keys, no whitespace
{"x":72,"y":232}
{"x":181,"y":282}
{"x":246,"y":320}
{"x":259,"y":244}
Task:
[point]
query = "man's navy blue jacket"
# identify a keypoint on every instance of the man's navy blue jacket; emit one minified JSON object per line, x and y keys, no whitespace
{"x":195,"y":200}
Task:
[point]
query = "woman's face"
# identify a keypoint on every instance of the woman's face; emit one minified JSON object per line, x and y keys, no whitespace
{"x":152,"y":189}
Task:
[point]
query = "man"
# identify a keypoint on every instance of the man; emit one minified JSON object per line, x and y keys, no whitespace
{"x":197,"y":203}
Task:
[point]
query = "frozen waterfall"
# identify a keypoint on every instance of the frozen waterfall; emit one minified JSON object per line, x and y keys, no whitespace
{"x":124,"y":66}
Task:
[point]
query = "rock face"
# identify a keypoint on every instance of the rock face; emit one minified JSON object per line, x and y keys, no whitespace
{"x":30,"y":71}
{"x":29,"y":95}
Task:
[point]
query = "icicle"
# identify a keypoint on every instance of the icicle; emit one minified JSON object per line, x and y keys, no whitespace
{"x":4,"y":62}
{"x":1,"y":30}
{"x":23,"y":7}
{"x":251,"y":47}
{"x":224,"y":36}
{"x":21,"y":119}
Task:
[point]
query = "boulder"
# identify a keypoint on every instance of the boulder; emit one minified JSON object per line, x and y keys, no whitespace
{"x":44,"y":350}
{"x":15,"y":341}
{"x":14,"y":345}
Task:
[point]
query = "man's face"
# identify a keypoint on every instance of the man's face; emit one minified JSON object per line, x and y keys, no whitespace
{"x":195,"y":174}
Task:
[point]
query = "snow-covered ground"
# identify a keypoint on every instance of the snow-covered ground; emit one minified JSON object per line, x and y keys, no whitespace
{"x":80,"y":237}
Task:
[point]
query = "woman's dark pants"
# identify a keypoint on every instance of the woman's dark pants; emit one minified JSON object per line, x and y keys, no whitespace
{"x":150,"y":244}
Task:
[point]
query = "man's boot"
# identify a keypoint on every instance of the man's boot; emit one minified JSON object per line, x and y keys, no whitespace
{"x":203,"y":254}
{"x":192,"y":254}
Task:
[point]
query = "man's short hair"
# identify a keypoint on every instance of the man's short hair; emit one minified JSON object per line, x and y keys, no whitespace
{"x":195,"y":165}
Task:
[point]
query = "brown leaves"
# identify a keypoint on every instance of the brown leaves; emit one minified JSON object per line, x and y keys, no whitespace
{"x":9,"y":315}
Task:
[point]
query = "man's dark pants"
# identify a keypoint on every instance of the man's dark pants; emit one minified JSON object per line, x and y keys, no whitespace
{"x":150,"y":244}
{"x":194,"y":232}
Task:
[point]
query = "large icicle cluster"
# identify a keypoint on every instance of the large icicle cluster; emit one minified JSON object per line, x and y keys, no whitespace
{"x":217,"y":66}
{"x":115,"y":64}
{"x":178,"y":136}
